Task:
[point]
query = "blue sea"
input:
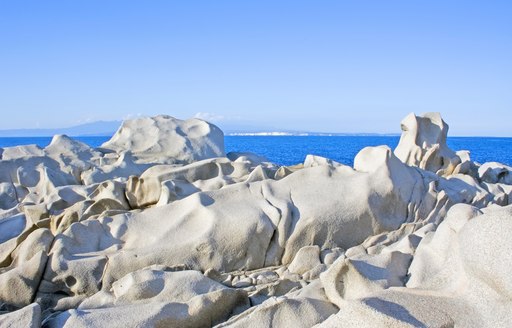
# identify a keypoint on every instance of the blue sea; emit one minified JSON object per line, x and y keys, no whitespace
{"x":288,"y":150}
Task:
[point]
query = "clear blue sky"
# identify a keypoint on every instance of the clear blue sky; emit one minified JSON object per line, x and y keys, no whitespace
{"x":340,"y":66}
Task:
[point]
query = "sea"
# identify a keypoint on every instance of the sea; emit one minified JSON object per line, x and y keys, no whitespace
{"x":289,"y":150}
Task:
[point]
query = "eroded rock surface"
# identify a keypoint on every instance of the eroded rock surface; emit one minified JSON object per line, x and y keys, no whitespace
{"x":168,"y":140}
{"x":159,"y":228}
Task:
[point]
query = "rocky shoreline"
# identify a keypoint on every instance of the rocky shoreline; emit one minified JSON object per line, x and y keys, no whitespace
{"x":160,"y":228}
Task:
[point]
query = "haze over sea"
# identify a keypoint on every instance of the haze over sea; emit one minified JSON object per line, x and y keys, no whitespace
{"x":289,"y":150}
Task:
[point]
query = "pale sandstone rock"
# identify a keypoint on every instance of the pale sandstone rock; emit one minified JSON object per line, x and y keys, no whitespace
{"x":328,"y":256}
{"x":205,"y":175}
{"x":10,"y":153}
{"x":14,"y":228}
{"x":200,"y":311}
{"x":233,"y":227}
{"x":419,"y":251}
{"x":277,"y":287}
{"x":124,"y":166}
{"x":8,"y":196}
{"x":493,"y":172}
{"x":423,"y":144}
{"x":26,"y":317}
{"x":151,"y":297}
{"x":468,"y":284}
{"x":437,"y":259}
{"x":301,"y":304}
{"x":485,"y":251}
{"x":502,"y":193}
{"x":164,"y":139}
{"x":283,"y":312}
{"x":74,"y":156}
{"x":313,"y":160}
{"x":403,"y":308}
{"x":252,"y":158}
{"x":259,"y":173}
{"x":20,"y":279}
{"x":154,"y":284}
{"x":285,"y":171}
{"x":356,"y":277}
{"x":306,"y":259}
{"x":314,"y":273}
{"x":59,"y":223}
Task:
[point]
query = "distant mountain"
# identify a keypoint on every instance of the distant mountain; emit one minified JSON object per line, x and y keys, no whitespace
{"x":108,"y":128}
{"x":99,"y":128}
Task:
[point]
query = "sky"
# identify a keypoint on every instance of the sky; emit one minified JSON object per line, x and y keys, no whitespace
{"x":326,"y":66}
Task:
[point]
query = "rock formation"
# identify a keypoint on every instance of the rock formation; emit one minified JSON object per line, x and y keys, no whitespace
{"x":159,"y":227}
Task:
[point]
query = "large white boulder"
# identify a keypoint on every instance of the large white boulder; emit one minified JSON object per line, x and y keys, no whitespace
{"x":423,"y":144}
{"x":165,"y":139}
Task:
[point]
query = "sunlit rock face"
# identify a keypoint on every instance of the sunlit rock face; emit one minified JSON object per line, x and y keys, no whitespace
{"x":158,"y":227}
{"x":168,"y":140}
{"x":423,"y":144}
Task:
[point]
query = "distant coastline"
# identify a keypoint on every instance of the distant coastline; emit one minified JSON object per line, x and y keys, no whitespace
{"x":108,"y":128}
{"x":306,"y":134}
